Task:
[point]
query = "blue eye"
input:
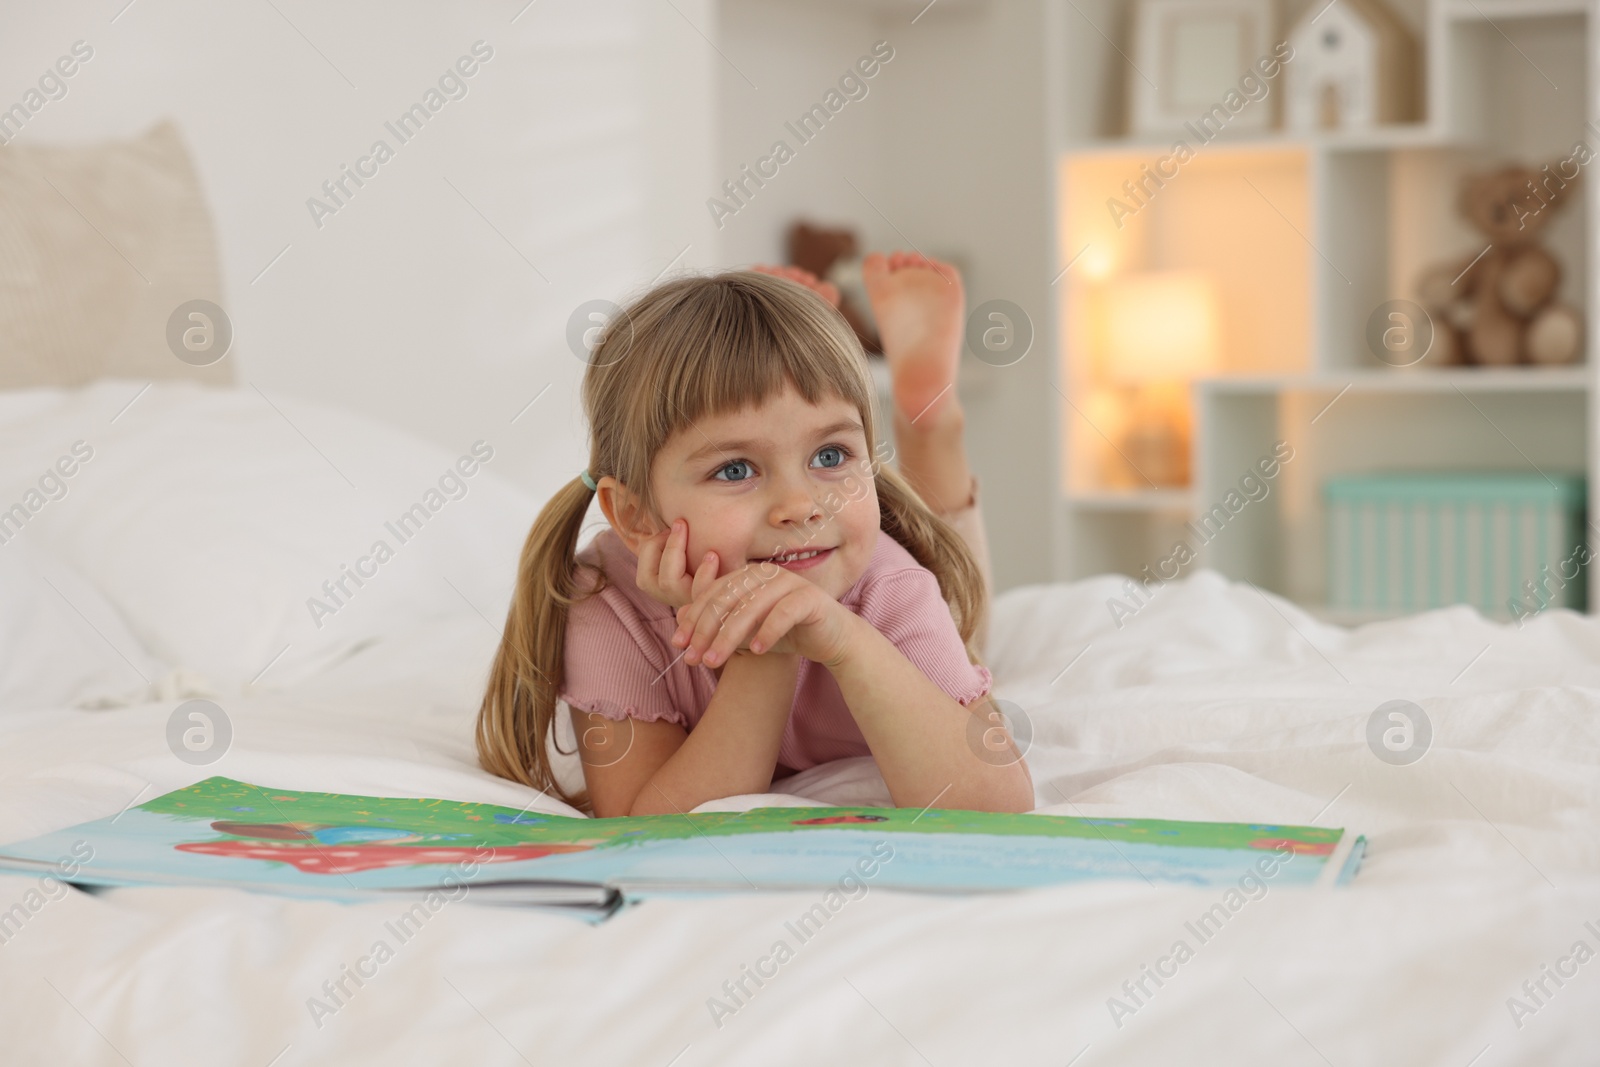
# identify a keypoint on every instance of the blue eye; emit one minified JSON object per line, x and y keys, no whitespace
{"x":835,"y":451}
{"x":735,"y":465}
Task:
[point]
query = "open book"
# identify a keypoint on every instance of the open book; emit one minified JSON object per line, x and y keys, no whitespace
{"x":220,"y":832}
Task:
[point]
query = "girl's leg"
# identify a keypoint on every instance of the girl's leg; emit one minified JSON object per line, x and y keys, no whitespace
{"x":920,"y":307}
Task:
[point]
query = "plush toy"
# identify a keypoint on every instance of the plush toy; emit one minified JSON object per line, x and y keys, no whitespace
{"x":831,"y":255}
{"x":1501,"y":307}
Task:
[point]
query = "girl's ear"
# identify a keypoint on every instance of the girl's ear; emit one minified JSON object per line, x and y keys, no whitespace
{"x":626,"y":513}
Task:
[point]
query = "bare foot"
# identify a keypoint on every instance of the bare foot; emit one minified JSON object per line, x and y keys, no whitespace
{"x":919,"y":304}
{"x":827,"y":290}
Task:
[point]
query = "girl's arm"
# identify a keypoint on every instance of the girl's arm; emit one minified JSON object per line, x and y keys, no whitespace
{"x":733,"y":749}
{"x":927,"y":745}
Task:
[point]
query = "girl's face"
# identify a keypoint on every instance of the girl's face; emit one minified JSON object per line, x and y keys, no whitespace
{"x":780,"y":478}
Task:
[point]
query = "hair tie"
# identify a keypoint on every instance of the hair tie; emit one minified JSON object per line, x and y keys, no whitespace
{"x":593,"y":488}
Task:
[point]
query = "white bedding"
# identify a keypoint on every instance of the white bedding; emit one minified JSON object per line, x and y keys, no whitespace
{"x":178,"y":563}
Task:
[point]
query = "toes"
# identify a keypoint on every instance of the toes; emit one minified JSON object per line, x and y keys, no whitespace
{"x":916,"y":260}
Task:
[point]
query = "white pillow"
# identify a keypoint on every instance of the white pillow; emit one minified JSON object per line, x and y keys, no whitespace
{"x":211,"y":519}
{"x":61,"y":643}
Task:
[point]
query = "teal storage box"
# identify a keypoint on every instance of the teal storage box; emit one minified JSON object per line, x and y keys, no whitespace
{"x":1407,"y":542}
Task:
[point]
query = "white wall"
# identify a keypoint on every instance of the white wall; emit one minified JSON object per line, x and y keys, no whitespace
{"x":950,"y":154}
{"x":782,"y":59}
{"x":592,"y":142}
{"x":584,"y":140}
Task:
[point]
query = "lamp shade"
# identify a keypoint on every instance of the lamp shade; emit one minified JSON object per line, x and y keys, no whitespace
{"x":1159,"y":326}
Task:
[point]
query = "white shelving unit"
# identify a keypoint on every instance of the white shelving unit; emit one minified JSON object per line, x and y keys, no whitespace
{"x":1306,"y":237}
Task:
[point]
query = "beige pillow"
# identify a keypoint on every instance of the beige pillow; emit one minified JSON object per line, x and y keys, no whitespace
{"x":99,"y":245}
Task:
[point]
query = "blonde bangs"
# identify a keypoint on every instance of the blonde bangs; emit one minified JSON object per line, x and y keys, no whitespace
{"x":717,"y":346}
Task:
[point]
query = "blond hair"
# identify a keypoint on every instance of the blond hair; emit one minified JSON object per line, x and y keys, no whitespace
{"x":690,"y":347}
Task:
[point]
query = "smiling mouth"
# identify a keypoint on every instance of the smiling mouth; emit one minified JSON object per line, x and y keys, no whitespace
{"x":795,"y":557}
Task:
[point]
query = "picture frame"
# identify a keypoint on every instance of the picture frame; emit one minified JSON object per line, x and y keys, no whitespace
{"x":1188,"y":55}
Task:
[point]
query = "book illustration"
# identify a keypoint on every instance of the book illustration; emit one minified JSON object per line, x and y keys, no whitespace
{"x":322,"y":849}
{"x":224,"y":832}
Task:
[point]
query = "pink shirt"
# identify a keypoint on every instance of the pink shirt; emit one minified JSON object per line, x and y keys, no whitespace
{"x":619,"y":643}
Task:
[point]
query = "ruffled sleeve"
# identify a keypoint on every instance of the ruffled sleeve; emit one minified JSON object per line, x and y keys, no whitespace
{"x":614,"y":663}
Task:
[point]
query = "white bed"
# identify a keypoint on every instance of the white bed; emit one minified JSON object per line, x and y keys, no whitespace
{"x":178,"y":564}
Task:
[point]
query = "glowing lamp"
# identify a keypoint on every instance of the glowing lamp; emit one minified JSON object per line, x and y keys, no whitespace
{"x":1159,"y":331}
{"x":1160,"y":326}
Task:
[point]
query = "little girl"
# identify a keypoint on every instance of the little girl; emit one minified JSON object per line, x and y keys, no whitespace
{"x":769,"y":596}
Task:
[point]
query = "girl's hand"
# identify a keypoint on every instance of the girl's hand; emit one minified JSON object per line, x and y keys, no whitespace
{"x":763,"y":612}
{"x":663,"y":567}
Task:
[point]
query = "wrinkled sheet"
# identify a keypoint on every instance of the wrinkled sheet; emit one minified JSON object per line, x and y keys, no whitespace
{"x":1213,"y":702}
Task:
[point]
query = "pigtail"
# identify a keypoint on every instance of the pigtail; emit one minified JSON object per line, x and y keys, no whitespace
{"x":518,"y":710}
{"x":934,"y":544}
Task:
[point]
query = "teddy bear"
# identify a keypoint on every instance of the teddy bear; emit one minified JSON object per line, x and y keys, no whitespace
{"x":1500,"y":308}
{"x":831,"y":255}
